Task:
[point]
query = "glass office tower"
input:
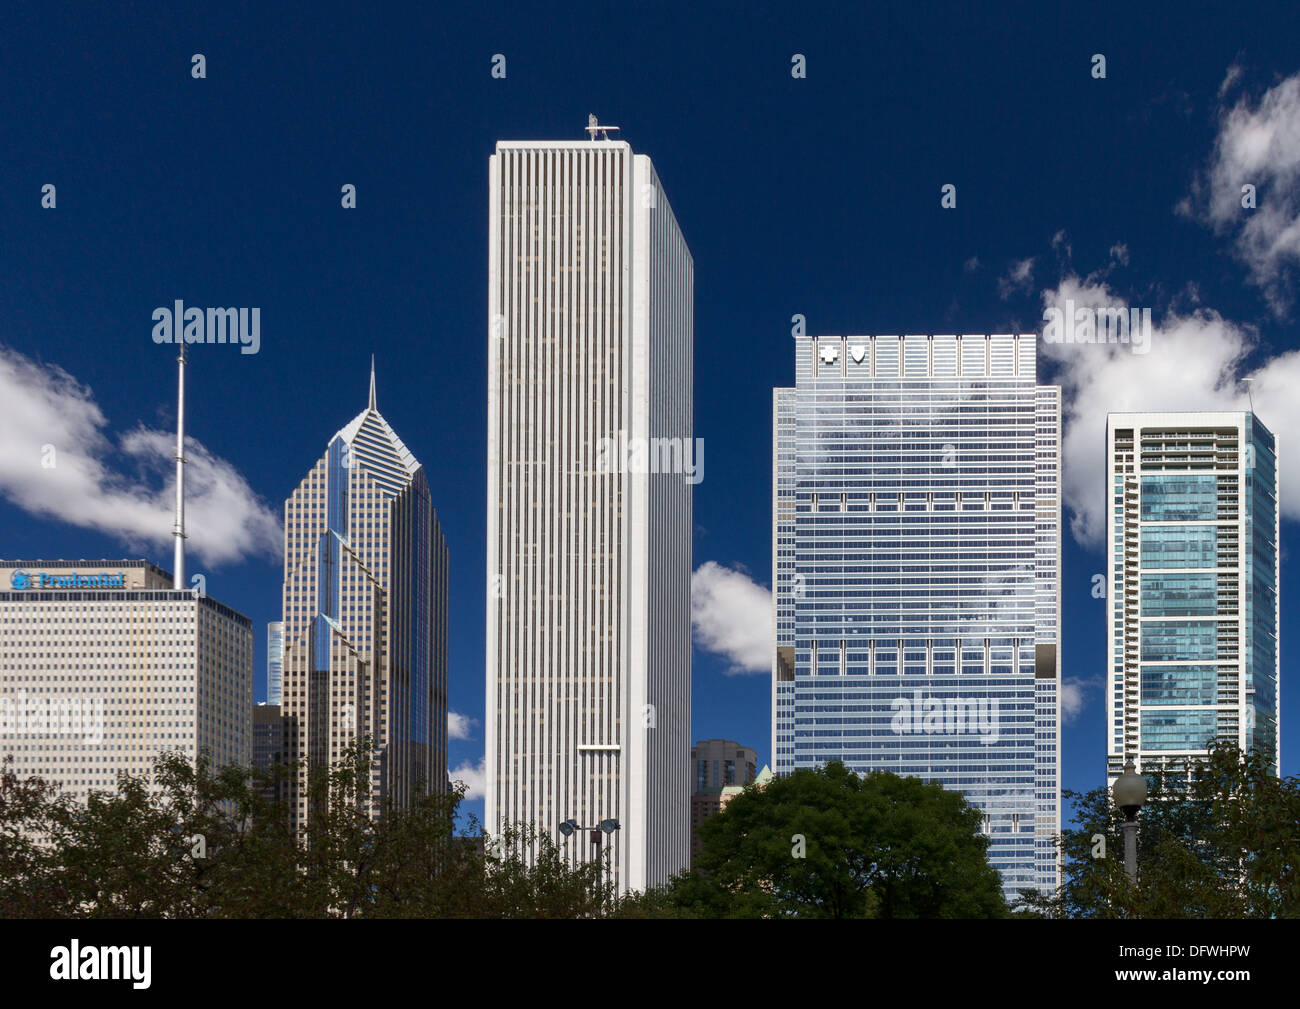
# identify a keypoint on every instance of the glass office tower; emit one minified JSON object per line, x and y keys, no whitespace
{"x":916,"y":560}
{"x":274,"y":661}
{"x":1192,"y":618}
{"x":365,"y":616}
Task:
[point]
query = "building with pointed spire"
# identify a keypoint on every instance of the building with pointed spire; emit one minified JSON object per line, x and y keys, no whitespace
{"x":365,"y":616}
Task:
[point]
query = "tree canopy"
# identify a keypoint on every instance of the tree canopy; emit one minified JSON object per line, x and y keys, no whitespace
{"x":1221,"y":840}
{"x":828,"y":843}
{"x":191,"y":842}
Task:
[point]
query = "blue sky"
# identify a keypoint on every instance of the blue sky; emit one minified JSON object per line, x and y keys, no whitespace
{"x":817,"y":196}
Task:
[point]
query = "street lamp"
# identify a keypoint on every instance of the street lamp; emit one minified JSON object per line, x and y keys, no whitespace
{"x":571,"y":826}
{"x":1130,"y":792}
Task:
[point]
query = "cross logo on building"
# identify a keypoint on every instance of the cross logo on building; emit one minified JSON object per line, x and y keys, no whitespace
{"x":829,"y":354}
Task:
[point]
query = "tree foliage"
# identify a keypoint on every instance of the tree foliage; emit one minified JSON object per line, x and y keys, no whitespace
{"x":828,"y":843}
{"x":1221,"y":841}
{"x":189,"y":842}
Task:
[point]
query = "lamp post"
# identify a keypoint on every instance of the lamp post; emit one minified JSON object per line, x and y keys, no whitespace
{"x":570,"y":827}
{"x":1130,"y":793}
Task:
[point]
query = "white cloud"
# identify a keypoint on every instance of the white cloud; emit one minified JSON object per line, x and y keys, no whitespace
{"x":474,"y":777}
{"x":1230,"y":79}
{"x":972,"y":264}
{"x":732,"y":617}
{"x":125,"y":490}
{"x":1195,"y":362}
{"x":1019,"y":278}
{"x":459,"y":726}
{"x":1073,"y":697}
{"x":1258,"y":145}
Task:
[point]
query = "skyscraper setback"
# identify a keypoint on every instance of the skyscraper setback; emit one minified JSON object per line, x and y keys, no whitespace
{"x":916,"y":574}
{"x":1192,"y":621}
{"x":365,"y":615}
{"x":591,"y":291}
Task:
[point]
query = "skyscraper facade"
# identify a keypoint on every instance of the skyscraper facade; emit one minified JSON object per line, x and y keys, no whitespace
{"x":590,"y":456}
{"x":721,"y":769}
{"x":916,"y":572}
{"x":365,"y":615}
{"x":1192,"y":606}
{"x":274,"y":661}
{"x":719,"y":763}
{"x":268,"y":746}
{"x":104,"y":665}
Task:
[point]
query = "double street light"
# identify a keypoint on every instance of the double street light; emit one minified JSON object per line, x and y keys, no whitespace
{"x":570,"y":827}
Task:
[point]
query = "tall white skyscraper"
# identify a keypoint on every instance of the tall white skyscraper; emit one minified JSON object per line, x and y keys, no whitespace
{"x":916,"y":572}
{"x":590,"y":451}
{"x":1192,"y":621}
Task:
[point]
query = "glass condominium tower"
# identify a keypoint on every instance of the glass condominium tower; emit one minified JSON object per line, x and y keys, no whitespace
{"x":590,"y":350}
{"x":916,"y":572}
{"x":365,"y":616}
{"x":1192,"y":621}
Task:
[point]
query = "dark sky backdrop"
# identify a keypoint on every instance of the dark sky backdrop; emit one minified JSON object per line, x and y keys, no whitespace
{"x":816,"y":196}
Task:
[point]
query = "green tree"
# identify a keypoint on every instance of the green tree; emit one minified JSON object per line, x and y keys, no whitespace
{"x":827,"y":843}
{"x":1219,"y":841}
{"x":527,"y":876}
{"x":28,"y":807}
{"x":188,"y":841}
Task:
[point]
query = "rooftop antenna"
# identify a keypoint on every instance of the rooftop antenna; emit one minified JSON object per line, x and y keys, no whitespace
{"x":178,"y":530}
{"x":593,"y":127}
{"x":372,"y":382}
{"x":1249,"y":395}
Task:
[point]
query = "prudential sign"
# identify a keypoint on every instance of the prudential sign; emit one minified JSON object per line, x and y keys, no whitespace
{"x":21,"y":580}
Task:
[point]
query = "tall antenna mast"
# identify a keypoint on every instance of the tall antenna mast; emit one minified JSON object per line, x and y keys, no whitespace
{"x":178,"y":530}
